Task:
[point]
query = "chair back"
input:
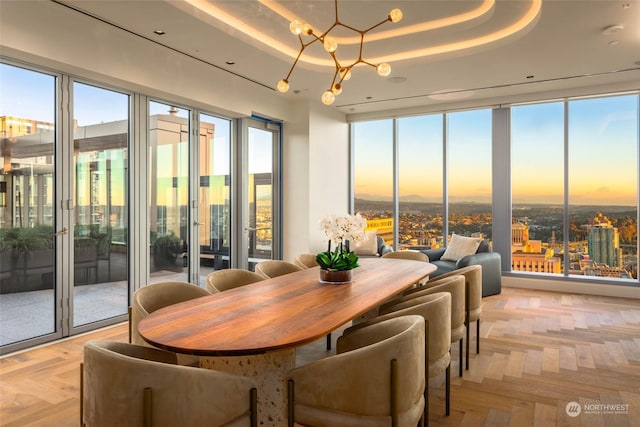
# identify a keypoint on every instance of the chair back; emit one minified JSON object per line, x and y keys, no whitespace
{"x":376,"y":378}
{"x":473,"y":285}
{"x":451,"y":284}
{"x":156,"y":296}
{"x":407,"y":254}
{"x":306,"y":260}
{"x":223,"y":280}
{"x":128,"y":385}
{"x":436,"y":310}
{"x":275,"y":267}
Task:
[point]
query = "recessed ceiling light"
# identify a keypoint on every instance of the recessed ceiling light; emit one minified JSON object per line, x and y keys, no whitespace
{"x":397,"y":79}
{"x":626,"y":5}
{"x":230,"y":63}
{"x":530,"y":76}
{"x":159,"y":32}
{"x":614,"y":42}
{"x":612,"y":29}
{"x":369,"y":97}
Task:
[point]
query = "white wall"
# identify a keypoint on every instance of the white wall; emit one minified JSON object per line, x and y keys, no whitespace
{"x":295,"y":183}
{"x":316,"y":175}
{"x":328,"y":169}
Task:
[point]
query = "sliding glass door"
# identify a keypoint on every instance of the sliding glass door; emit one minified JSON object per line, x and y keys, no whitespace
{"x":28,"y":220}
{"x":63,"y":207}
{"x":100,"y":216}
{"x":261,"y":193}
{"x":169,"y":225}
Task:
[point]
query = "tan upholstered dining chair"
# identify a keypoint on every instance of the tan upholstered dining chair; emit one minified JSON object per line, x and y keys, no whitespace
{"x":436,"y":310}
{"x":129,"y":385}
{"x":306,"y":260}
{"x":156,"y":296}
{"x":275,"y":267}
{"x":473,"y":300}
{"x":408,"y":254}
{"x":222,"y":280}
{"x":375,"y":379}
{"x":456,"y":287}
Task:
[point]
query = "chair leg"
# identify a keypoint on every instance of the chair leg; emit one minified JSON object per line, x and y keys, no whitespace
{"x":478,"y":336}
{"x":447,"y":404}
{"x":393,"y":385}
{"x":467,"y":328}
{"x":146,"y":407}
{"x":129,"y":314}
{"x":81,"y":394}
{"x":253,"y":405}
{"x":460,"y":364}
{"x":329,"y":341}
{"x":290,"y":403}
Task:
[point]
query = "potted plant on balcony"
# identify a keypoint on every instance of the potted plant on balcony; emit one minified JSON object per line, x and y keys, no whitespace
{"x":336,"y":265}
{"x":166,"y":249}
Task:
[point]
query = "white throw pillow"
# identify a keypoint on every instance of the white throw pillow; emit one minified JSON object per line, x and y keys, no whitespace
{"x":460,"y":246}
{"x":368,"y":246}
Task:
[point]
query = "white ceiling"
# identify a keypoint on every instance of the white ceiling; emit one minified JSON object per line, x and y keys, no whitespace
{"x":564,"y":47}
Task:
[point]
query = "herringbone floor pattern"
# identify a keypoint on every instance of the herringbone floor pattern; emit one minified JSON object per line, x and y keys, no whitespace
{"x":539,"y":352}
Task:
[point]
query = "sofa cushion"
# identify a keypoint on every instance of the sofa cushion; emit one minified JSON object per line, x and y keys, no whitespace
{"x":460,"y":246}
{"x":368,"y":246}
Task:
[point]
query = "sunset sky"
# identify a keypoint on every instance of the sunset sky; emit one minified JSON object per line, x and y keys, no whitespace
{"x":603,"y":156}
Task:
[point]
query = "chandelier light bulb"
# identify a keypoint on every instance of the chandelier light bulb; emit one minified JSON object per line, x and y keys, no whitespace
{"x":345,"y":74}
{"x":395,"y":15}
{"x":328,"y":97}
{"x":330,"y":44}
{"x":336,"y":89}
{"x":283,"y":86}
{"x":384,"y":69}
{"x":295,"y":27}
{"x":306,"y":29}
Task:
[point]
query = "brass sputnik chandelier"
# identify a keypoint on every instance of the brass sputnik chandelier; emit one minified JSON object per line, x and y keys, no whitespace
{"x":342,"y":72}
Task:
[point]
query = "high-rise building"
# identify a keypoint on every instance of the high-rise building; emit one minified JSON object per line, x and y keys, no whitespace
{"x":604,"y":243}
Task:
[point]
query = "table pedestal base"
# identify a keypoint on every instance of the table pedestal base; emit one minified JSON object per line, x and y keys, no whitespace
{"x":270,"y":370}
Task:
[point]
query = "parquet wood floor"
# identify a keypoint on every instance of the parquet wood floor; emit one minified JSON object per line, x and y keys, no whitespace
{"x":539,"y":352}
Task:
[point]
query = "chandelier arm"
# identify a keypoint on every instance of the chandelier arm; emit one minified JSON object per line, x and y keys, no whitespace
{"x":295,"y":62}
{"x":369,"y":63}
{"x":377,"y":25}
{"x":323,"y":35}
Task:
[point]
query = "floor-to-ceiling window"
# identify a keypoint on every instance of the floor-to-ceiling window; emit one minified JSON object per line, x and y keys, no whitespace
{"x":169,"y":211}
{"x":574,"y":182}
{"x":372,"y":144}
{"x":537,"y":187}
{"x":575,"y":187}
{"x":425,"y":205}
{"x":28,"y":292}
{"x":101,"y":199}
{"x":420,"y":181}
{"x":469,"y":173}
{"x":214,"y":224}
{"x":602,"y":159}
{"x":63,"y":206}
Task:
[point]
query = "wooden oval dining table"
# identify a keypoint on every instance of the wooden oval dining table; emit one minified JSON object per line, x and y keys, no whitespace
{"x":254,"y":329}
